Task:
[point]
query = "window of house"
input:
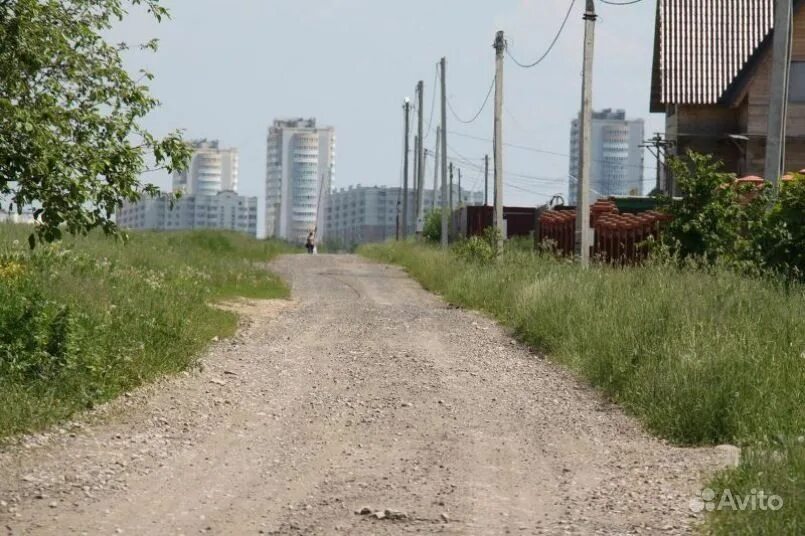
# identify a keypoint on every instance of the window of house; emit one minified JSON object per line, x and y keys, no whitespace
{"x":796,"y":86}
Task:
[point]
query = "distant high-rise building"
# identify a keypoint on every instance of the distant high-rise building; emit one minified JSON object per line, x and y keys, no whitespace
{"x":300,"y":168}
{"x":617,"y":158}
{"x":212,"y":169}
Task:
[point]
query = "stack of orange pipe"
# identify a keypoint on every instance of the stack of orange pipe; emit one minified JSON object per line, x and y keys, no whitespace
{"x":620,"y":238}
{"x":560,"y":228}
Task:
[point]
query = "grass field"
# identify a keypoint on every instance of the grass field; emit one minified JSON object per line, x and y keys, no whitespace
{"x":86,"y":319}
{"x":701,"y":357}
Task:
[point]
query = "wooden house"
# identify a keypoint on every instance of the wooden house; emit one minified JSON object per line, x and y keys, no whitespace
{"x":711,"y":78}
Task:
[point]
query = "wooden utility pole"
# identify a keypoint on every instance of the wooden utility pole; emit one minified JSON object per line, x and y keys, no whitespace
{"x":420,"y":192}
{"x":659,"y":145}
{"x":445,"y":228}
{"x":486,"y":180}
{"x":778,"y":100}
{"x":583,"y":235}
{"x":436,"y":167}
{"x":500,"y":48}
{"x":407,"y":109}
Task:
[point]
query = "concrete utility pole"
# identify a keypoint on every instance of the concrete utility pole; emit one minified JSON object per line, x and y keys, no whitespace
{"x":412,"y":217}
{"x":460,"y":200}
{"x":407,"y":109}
{"x":500,"y":48}
{"x":445,"y":228}
{"x":415,"y":177}
{"x":583,"y":234}
{"x":436,"y":167}
{"x":450,"y":229}
{"x":420,"y":193}
{"x":778,"y":99}
{"x":486,"y":180}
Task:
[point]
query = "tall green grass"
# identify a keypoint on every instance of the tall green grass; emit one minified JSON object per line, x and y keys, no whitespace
{"x":701,"y":357}
{"x":83,"y":320}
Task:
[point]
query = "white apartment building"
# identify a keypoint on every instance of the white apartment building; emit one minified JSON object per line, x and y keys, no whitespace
{"x":617,"y":158}
{"x":365,"y":214}
{"x":212,"y":169}
{"x":300,"y":168}
{"x":225,"y":210}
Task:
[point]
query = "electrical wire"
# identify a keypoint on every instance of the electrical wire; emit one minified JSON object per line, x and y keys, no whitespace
{"x":468,"y":163}
{"x":536,"y":150}
{"x":550,"y":47}
{"x":626,"y":3}
{"x":483,"y":106}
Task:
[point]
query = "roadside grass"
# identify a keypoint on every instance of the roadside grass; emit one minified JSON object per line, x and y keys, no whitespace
{"x":701,"y":357}
{"x":89,"y":318}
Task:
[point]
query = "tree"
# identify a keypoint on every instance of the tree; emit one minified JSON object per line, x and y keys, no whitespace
{"x":714,"y":219}
{"x":71,"y":142}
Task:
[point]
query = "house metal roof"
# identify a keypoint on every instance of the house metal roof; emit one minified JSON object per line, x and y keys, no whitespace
{"x":703,"y":47}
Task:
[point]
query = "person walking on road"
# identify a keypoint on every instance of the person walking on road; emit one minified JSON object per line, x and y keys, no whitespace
{"x":310,"y":243}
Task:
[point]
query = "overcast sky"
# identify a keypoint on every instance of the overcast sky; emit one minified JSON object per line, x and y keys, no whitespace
{"x":227,"y":68}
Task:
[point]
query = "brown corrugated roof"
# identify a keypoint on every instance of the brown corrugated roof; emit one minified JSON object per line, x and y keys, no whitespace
{"x":703,"y":46}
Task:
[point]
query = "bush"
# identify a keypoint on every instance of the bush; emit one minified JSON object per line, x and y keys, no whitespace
{"x":783,"y":239}
{"x":480,"y":249}
{"x":432,"y":231}
{"x":716,"y":221}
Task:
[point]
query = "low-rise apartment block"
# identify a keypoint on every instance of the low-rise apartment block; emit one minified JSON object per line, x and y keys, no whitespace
{"x":365,"y":214}
{"x":226,"y":211}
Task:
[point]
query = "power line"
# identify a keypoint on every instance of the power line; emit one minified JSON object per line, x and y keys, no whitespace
{"x":483,"y":106}
{"x":468,"y":162}
{"x":550,"y":47}
{"x":626,"y":3}
{"x":535,"y":149}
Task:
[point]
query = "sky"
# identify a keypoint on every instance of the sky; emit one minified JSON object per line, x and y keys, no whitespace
{"x":226,"y":69}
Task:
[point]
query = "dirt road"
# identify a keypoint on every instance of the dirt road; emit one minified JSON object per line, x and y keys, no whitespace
{"x":365,"y":392}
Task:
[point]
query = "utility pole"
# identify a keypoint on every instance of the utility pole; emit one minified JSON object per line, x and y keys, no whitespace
{"x":486,"y":180}
{"x":420,"y":193}
{"x":436,"y":167}
{"x":500,"y":48}
{"x":460,"y":200}
{"x":450,"y":230}
{"x":778,"y":100}
{"x":660,"y":146}
{"x":415,"y":178}
{"x":407,"y":108}
{"x":445,"y":229}
{"x":397,"y":235}
{"x":583,"y":238}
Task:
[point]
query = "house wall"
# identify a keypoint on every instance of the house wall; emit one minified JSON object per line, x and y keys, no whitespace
{"x":704,"y":129}
{"x":757,"y":111}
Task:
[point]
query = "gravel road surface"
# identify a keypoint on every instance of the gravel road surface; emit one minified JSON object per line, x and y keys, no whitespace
{"x":363,"y":406}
